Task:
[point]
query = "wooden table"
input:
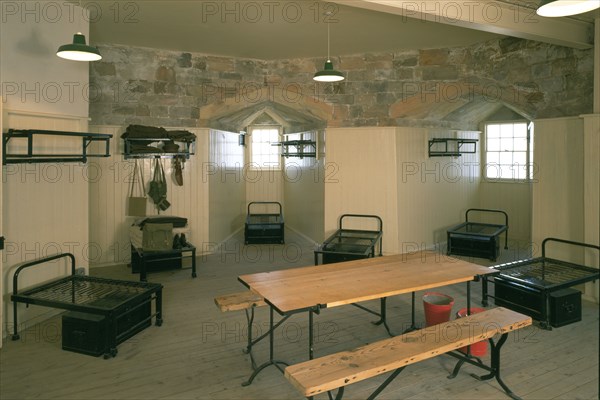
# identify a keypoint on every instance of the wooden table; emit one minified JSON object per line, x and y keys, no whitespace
{"x":310,"y":289}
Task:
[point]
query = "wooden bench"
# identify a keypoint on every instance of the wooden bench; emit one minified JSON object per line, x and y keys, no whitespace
{"x":239,"y":301}
{"x":341,"y":369}
{"x":246,"y":301}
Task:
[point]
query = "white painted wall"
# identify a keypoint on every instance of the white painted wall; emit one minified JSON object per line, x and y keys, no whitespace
{"x":304,"y":185}
{"x":227,"y":192}
{"x":45,"y":206}
{"x":591,"y":193}
{"x":45,"y":211}
{"x":565,"y":197}
{"x":433,"y":193}
{"x":361,"y":178}
{"x":515,"y":199}
{"x":33,"y":78}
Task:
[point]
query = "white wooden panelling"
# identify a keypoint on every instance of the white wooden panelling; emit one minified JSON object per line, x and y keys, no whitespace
{"x":360,"y":178}
{"x":45,"y":210}
{"x":264,"y":185}
{"x":591,"y":194}
{"x":304,"y":193}
{"x":515,"y":199}
{"x":109,"y":186}
{"x":2,"y":291}
{"x":224,"y":173}
{"x":558,"y":192}
{"x":433,"y":193}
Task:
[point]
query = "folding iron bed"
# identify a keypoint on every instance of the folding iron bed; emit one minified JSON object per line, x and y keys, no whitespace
{"x":264,"y":227}
{"x":477,"y":239}
{"x":539,"y":287}
{"x":117,"y":308}
{"x":351,"y":244}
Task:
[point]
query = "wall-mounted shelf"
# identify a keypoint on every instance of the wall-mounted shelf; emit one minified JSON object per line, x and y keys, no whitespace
{"x":298,"y":148}
{"x":447,"y":147}
{"x":32,"y":157}
{"x":138,"y":148}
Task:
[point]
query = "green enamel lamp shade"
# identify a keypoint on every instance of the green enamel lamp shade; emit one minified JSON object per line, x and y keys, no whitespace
{"x":564,"y":8}
{"x":78,"y":50}
{"x":328,"y":74}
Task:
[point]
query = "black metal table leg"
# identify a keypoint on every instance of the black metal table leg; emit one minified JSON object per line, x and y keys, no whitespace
{"x":383,"y":316}
{"x":271,"y":360}
{"x":413,"y":325}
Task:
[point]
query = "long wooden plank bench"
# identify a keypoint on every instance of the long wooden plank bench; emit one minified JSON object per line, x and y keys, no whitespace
{"x":239,"y":301}
{"x":338,"y":370}
{"x":247,"y":301}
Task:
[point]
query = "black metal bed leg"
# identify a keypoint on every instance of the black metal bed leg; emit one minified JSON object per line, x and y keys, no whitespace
{"x":484,"y":291}
{"x":158,"y":304}
{"x":15,"y":335}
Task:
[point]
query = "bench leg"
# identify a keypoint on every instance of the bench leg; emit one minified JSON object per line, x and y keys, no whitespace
{"x":494,"y":369}
{"x":373,"y":395}
{"x":495,"y":373}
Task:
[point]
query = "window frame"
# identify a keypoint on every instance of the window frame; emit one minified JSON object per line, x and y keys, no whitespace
{"x":251,"y":163}
{"x":529,"y":173}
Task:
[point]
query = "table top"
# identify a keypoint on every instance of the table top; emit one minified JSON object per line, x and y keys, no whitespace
{"x":332,"y":285}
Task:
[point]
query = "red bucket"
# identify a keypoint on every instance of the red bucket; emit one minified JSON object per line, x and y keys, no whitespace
{"x":438,"y":307}
{"x":477,"y":349}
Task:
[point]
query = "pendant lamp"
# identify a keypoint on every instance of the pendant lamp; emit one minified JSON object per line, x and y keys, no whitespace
{"x":328,"y":74}
{"x":78,"y":50}
{"x":564,"y":8}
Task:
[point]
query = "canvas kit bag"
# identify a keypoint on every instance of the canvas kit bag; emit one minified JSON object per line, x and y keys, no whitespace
{"x":136,"y":200}
{"x":157,"y":237}
{"x":158,"y":187}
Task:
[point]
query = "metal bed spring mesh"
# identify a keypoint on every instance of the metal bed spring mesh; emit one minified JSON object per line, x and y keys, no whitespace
{"x":104,"y":293}
{"x":264,"y":219}
{"x":478,"y":228}
{"x":544,"y":273}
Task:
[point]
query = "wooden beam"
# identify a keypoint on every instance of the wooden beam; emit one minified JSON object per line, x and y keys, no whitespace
{"x":489,"y":16}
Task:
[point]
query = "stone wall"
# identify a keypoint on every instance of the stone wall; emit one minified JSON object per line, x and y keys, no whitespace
{"x":453,"y":88}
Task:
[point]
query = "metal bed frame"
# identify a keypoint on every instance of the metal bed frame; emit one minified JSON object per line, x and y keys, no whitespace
{"x":116,"y":300}
{"x":533,"y":280}
{"x":351,"y":244}
{"x":477,"y":239}
{"x":264,"y":228}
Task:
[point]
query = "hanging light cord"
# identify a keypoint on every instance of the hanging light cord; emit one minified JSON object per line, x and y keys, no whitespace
{"x":328,"y":42}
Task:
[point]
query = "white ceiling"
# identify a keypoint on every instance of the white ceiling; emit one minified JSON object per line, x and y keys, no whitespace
{"x":286,"y":29}
{"x":278,"y":29}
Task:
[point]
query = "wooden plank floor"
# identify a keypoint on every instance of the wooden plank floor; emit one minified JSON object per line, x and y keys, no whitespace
{"x":197,"y":353}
